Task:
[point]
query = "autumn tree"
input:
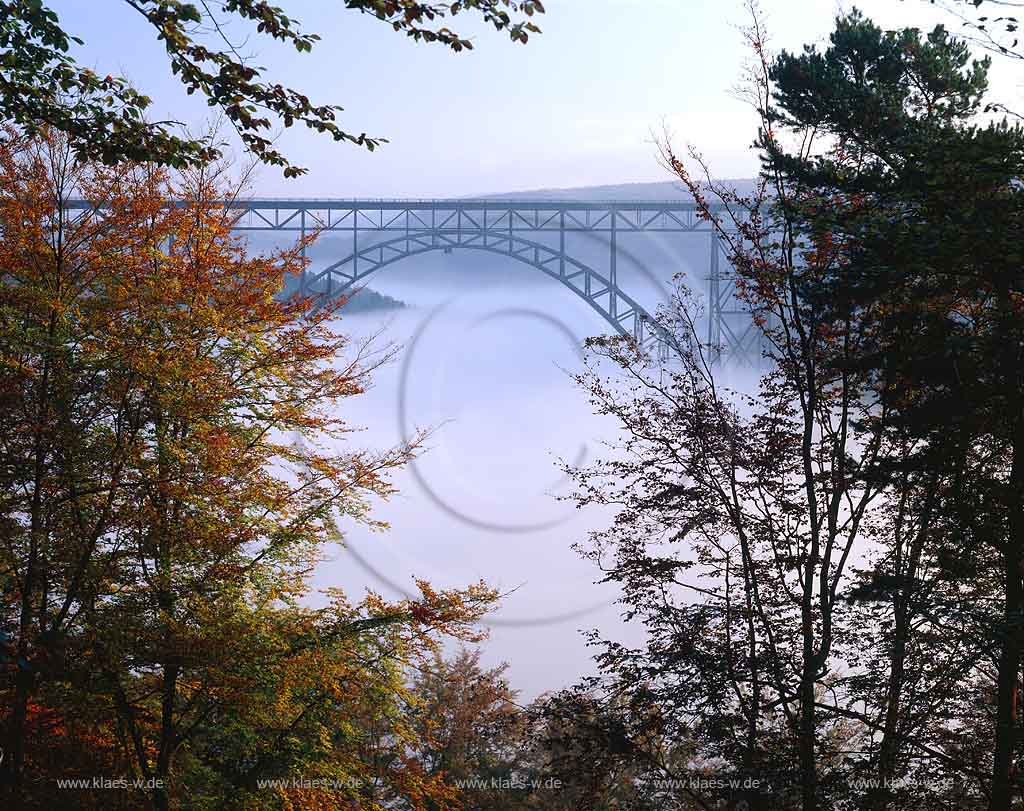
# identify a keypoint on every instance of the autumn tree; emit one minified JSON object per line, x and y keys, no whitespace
{"x":554,"y":754}
{"x":594,"y":751}
{"x":67,"y":415}
{"x":159,"y":520}
{"x":472,"y":729}
{"x":41,"y":84}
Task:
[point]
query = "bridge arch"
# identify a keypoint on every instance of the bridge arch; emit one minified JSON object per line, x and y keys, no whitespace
{"x":618,"y":308}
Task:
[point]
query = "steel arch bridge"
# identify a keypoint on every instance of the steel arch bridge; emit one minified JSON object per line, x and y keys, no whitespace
{"x":383,"y":232}
{"x":512,"y":228}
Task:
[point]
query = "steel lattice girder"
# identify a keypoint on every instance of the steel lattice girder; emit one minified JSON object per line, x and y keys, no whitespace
{"x":501,"y":227}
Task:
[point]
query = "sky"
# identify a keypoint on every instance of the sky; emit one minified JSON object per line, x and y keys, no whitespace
{"x":576,"y":106}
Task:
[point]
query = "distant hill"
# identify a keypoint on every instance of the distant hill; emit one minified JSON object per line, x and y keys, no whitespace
{"x":671,"y":190}
{"x":365,"y":300}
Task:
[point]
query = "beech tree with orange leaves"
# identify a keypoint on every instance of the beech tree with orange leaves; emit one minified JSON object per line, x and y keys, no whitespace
{"x":159,"y":521}
{"x":471,"y":727}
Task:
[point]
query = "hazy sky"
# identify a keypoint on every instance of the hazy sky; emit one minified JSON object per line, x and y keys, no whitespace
{"x":574,"y":107}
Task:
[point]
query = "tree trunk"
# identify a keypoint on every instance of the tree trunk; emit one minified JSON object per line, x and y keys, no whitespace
{"x":1010,"y":657}
{"x":894,"y":690}
{"x":24,"y":681}
{"x":903,"y":614}
{"x":808,"y":765}
{"x":1013,"y":559}
{"x":167,"y":738}
{"x":19,"y":720}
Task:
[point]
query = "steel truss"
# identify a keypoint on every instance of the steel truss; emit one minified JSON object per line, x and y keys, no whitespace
{"x":516,"y":229}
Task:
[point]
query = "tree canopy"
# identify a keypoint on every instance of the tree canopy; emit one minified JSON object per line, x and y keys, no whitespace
{"x":104,"y":117}
{"x":159,"y":519}
{"x":827,"y":564}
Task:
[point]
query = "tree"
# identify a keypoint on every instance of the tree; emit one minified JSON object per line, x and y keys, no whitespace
{"x":67,"y":419}
{"x":286,"y":710}
{"x":996,"y":29}
{"x":766,"y":539}
{"x":471,"y":728}
{"x":593,"y":753}
{"x":930,"y":201}
{"x":158,"y":523}
{"x":104,"y":117}
{"x":738,"y":517}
